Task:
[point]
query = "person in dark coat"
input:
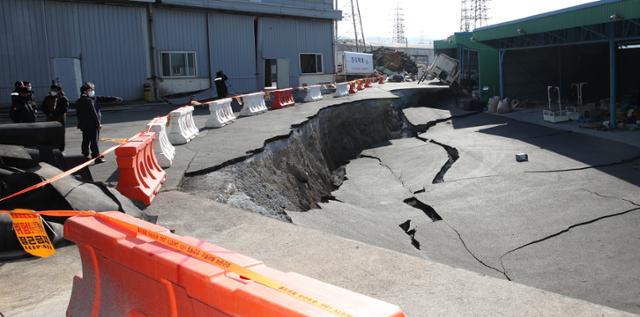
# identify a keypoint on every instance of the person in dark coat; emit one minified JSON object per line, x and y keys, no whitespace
{"x":221,"y":84}
{"x":56,"y":105}
{"x":14,"y":99}
{"x":89,"y":121}
{"x":22,"y":110}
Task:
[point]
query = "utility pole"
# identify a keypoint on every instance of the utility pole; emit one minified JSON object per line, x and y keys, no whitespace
{"x":358,"y":30}
{"x":355,"y":28}
{"x":364,"y":43}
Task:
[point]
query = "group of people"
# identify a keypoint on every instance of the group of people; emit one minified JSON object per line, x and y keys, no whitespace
{"x":55,"y":105}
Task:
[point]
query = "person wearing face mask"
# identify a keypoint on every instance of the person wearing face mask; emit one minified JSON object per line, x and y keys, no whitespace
{"x":89,"y":121}
{"x":55,"y":105}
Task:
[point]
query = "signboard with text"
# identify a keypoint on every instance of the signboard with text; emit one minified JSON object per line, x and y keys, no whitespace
{"x":358,"y":63}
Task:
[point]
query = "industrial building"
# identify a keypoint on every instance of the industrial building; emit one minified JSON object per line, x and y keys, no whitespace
{"x":478,"y":62}
{"x":596,"y":44}
{"x":174,"y":45}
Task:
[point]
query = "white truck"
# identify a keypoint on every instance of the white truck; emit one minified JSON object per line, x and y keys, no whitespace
{"x":444,"y":68}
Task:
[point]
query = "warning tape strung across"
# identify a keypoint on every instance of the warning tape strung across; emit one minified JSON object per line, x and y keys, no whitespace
{"x":59,"y":176}
{"x":33,"y":219}
{"x":115,"y":140}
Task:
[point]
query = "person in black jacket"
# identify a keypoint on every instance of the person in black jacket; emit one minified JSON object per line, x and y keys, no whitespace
{"x":55,"y":106}
{"x":89,"y":121}
{"x":22,"y":110}
{"x":13,"y":111}
{"x":221,"y":84}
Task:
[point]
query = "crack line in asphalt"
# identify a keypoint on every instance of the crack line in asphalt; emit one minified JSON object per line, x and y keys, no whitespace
{"x":622,"y":162}
{"x":611,"y":197}
{"x":387,"y":167}
{"x":422,"y":128}
{"x":453,"y":157}
{"x":464,"y":244}
{"x":565,"y":231}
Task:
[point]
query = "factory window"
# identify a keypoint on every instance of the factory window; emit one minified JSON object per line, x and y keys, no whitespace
{"x":311,"y":63}
{"x":178,"y":64}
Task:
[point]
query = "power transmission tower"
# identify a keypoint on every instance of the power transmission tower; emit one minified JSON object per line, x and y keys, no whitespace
{"x":473,"y":14}
{"x":398,"y":25}
{"x":358,"y":30}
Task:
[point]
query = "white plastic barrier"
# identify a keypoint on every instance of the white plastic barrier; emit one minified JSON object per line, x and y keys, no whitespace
{"x":253,"y":104}
{"x":220,"y":113}
{"x":181,"y":126}
{"x":342,"y":89}
{"x":191,"y":125}
{"x":314,"y":93}
{"x":163,"y":149}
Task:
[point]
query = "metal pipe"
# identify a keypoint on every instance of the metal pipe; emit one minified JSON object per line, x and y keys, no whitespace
{"x":612,"y":84}
{"x":501,"y":71}
{"x":153,"y":52}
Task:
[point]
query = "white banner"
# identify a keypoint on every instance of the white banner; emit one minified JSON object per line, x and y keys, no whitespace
{"x":358,"y":63}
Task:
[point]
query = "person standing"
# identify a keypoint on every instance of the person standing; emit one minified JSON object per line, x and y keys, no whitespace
{"x":13,"y":111}
{"x":32,"y":109}
{"x":55,"y":106}
{"x":221,"y":84}
{"x":89,"y":121}
{"x":22,"y":110}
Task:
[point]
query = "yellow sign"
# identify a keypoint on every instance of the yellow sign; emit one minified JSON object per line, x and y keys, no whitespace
{"x":31,"y":234}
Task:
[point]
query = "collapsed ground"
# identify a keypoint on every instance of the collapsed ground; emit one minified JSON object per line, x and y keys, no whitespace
{"x":421,"y":177}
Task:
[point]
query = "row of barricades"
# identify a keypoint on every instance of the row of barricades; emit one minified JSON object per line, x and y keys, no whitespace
{"x":142,"y":158}
{"x":133,"y":268}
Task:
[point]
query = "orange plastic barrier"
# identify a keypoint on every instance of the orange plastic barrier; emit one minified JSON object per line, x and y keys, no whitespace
{"x":381,"y":80}
{"x":367,"y":83}
{"x":282,"y":98}
{"x":353,"y":87}
{"x":360,"y":84}
{"x":131,"y":268}
{"x":140,"y":174}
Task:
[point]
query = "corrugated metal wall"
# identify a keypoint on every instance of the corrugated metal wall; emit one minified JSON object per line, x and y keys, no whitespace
{"x":110,"y":42}
{"x":183,"y":30}
{"x":287,"y":38}
{"x":23,"y":46}
{"x":114,"y":54}
{"x":233,"y":49}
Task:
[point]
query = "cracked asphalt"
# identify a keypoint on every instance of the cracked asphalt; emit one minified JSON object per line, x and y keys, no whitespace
{"x":566,"y":221}
{"x":592,"y":211}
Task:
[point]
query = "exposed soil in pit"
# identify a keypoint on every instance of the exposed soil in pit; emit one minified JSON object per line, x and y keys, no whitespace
{"x":295,"y":172}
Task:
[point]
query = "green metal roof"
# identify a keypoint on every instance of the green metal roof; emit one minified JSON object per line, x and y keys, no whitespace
{"x":454,"y":41}
{"x":587,"y":14}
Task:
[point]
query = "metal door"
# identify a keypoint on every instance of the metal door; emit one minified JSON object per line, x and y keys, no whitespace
{"x":283,"y":72}
{"x":69,"y":74}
